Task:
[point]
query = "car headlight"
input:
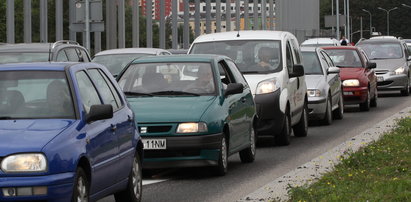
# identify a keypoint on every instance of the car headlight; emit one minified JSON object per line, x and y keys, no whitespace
{"x":351,"y":82}
{"x":24,"y":163}
{"x":267,"y":86}
{"x":313,"y":93}
{"x":398,"y":71}
{"x":199,"y":127}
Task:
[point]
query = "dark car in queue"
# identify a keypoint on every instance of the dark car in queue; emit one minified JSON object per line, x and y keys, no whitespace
{"x":357,"y":75}
{"x":67,"y":134}
{"x":192,"y":110}
{"x":393,"y":63}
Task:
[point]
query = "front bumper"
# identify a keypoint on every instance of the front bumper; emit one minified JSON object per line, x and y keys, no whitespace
{"x":59,"y":187}
{"x":317,"y":106}
{"x":391,"y":82}
{"x":270,"y":117}
{"x":184,"y":151}
{"x":355,"y":95}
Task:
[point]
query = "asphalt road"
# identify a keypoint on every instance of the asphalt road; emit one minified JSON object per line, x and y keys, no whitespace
{"x":199,"y":184}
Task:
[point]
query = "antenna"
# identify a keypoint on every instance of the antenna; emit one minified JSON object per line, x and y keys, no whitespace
{"x":49,"y":52}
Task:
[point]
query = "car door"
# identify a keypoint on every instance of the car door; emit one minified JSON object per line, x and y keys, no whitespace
{"x":370,"y":73}
{"x":333,"y":80}
{"x":247,"y":103}
{"x":102,"y":146}
{"x":293,"y":86}
{"x":122,"y":123}
{"x":233,"y":104}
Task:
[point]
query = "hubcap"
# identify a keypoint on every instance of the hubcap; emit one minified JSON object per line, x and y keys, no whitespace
{"x":224,"y":153}
{"x":82,"y":190}
{"x":136,"y":179}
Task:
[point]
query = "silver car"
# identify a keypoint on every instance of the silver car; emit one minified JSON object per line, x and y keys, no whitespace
{"x":325,"y":100}
{"x":393,"y":63}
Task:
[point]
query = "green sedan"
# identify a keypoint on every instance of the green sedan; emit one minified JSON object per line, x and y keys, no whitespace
{"x":191,"y":110}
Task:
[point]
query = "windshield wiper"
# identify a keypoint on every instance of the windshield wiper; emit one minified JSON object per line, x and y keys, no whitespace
{"x":5,"y":117}
{"x":137,"y":94}
{"x":170,"y":92}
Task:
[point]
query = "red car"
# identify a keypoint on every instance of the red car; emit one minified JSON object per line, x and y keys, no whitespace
{"x":357,"y":75}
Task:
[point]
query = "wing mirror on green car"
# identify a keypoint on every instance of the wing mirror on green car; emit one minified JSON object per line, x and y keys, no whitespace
{"x":233,"y":88}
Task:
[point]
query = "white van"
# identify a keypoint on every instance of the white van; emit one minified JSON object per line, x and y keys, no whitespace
{"x":271,"y":63}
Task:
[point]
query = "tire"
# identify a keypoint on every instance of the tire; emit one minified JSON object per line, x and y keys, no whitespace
{"x":301,"y":129}
{"x":134,"y":190}
{"x":81,"y":187}
{"x":247,"y":155}
{"x":374,"y":100}
{"x":339,"y":112}
{"x":283,"y":138}
{"x":328,"y":119}
{"x":222,"y":165}
{"x":406,"y":91}
{"x":366,"y":105}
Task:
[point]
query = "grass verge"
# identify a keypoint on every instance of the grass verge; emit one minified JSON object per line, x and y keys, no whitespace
{"x":380,"y":171}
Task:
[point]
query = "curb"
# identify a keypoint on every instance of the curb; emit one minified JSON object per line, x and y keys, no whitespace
{"x":310,"y":172}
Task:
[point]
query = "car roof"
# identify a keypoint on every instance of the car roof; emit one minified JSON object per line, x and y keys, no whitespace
{"x":180,"y":58}
{"x":242,"y":35}
{"x":55,"y":66}
{"x":153,"y":51}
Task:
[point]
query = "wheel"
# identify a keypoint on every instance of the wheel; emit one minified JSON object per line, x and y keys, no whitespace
{"x":221,"y":168}
{"x":247,"y":155}
{"x":134,"y":190}
{"x":328,"y":119}
{"x":283,"y":138}
{"x":301,"y":129}
{"x":81,"y":187}
{"x":406,"y":91}
{"x":339,"y":112}
{"x":366,"y":105}
{"x":374,"y":100}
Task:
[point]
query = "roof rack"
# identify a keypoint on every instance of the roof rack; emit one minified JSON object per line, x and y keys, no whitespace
{"x":64,"y":42}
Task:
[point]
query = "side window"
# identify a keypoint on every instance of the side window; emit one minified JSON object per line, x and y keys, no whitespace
{"x":327,"y":59}
{"x":88,"y":93}
{"x":296,"y":51}
{"x":236,"y":73}
{"x":84,"y":55}
{"x":113,"y":89}
{"x":225,"y":75}
{"x":62,"y":57}
{"x":71,"y":54}
{"x":289,"y":58}
{"x":324,"y":63}
{"x":105,"y":91}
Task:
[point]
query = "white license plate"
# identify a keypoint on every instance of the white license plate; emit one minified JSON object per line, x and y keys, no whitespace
{"x":155,"y":143}
{"x":380,"y":78}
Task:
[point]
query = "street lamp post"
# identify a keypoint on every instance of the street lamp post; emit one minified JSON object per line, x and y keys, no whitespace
{"x":370,"y":20}
{"x":406,"y":5}
{"x":388,"y":17}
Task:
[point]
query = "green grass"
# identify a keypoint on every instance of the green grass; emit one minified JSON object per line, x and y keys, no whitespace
{"x":379,"y":172}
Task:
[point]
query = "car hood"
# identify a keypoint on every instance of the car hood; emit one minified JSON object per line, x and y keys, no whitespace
{"x":314,"y":81}
{"x":389,"y":64}
{"x":170,"y":109}
{"x":351,"y":72}
{"x":29,"y":135}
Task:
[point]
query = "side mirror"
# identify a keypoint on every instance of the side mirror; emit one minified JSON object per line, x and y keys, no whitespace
{"x":298,"y":70}
{"x":333,"y":70}
{"x":99,"y":112}
{"x":233,"y":88}
{"x":371,"y":65}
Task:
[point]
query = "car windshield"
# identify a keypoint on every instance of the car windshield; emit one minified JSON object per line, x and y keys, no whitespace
{"x":344,"y":57}
{"x":175,"y":78}
{"x":311,"y":63}
{"x":377,"y":51}
{"x":23,"y":57}
{"x":35,"y":95}
{"x":116,"y":62}
{"x":251,"y":56}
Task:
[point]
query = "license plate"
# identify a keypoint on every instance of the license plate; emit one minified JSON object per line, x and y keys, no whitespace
{"x":380,"y":78}
{"x":155,"y":143}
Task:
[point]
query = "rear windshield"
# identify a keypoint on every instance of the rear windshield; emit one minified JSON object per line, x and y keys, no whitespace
{"x":23,"y":57}
{"x":35,"y":95}
{"x":251,"y":56}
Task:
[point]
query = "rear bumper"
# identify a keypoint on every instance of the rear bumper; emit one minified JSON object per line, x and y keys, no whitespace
{"x":184,"y":151}
{"x":354,"y":95}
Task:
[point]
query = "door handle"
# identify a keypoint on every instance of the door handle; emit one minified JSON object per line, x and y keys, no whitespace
{"x":113,"y":127}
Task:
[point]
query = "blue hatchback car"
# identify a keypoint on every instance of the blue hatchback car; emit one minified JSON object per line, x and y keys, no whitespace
{"x":67,"y":134}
